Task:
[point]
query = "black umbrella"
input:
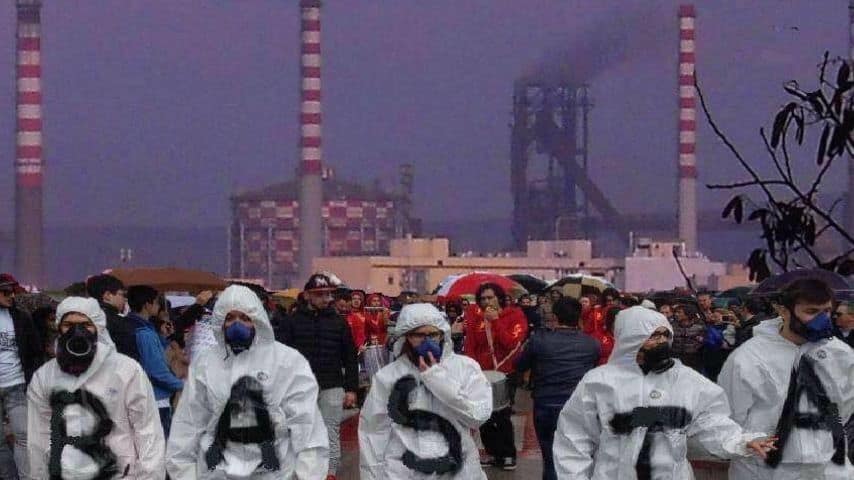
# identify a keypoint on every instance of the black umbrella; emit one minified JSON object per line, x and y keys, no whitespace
{"x":773,"y":285}
{"x":529,"y":282}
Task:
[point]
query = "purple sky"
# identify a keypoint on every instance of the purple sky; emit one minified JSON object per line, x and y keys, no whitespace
{"x":156,"y":111}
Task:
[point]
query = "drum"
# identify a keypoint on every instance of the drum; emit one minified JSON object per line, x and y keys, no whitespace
{"x":500,"y":389}
{"x":374,"y":358}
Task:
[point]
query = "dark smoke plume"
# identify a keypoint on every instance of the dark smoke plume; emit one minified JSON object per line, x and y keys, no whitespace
{"x":633,"y":30}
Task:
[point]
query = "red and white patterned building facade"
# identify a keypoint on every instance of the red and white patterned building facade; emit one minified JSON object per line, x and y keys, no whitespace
{"x":265,"y":236}
{"x":687,"y":130}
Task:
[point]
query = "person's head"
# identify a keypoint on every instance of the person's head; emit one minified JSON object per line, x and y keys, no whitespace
{"x":611,"y":318}
{"x":567,"y":311}
{"x":704,"y":300}
{"x":585,"y":302}
{"x":165,"y":327}
{"x":525,"y":300}
{"x":421,"y":328}
{"x":543,"y":299}
{"x":319,"y":291}
{"x":655,"y":350}
{"x":81,"y":330}
{"x":407,"y":297}
{"x":638,"y":334}
{"x":666,"y":309}
{"x":240,"y":319}
{"x":610,"y":297}
{"x":806,"y":308}
{"x":9,"y":288}
{"x":44,"y":319}
{"x":357,"y":300}
{"x":343,"y":298}
{"x":144,"y":301}
{"x":375,"y":300}
{"x":843,"y":316}
{"x":491,"y":295}
{"x":453,"y":309}
{"x":722,"y":315}
{"x":555,"y":295}
{"x":108,"y":290}
{"x":755,"y":306}
{"x":686,"y":314}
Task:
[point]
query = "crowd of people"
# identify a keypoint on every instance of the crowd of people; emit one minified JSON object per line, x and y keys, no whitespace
{"x":115,"y":383}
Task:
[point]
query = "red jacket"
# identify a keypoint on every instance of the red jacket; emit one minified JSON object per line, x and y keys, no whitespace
{"x":509,"y":330}
{"x":356,"y":321}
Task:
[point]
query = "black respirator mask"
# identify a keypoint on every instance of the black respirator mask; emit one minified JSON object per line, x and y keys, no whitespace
{"x":657,"y":359}
{"x":75,"y":349}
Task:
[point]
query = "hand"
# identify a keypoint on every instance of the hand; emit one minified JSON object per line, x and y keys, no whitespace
{"x":761,"y":446}
{"x":204,"y":297}
{"x":349,"y":399}
{"x":422,"y":365}
{"x":490,"y":314}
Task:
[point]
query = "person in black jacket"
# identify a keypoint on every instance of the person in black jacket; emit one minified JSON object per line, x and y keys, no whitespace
{"x":557,"y":358}
{"x":323,"y":338}
{"x":111,"y":294}
{"x":21,"y":353}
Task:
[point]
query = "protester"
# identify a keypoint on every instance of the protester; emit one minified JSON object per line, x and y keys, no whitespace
{"x":494,"y":332}
{"x":92,"y":412}
{"x":454,"y":312}
{"x":417,"y":418}
{"x":356,"y":319}
{"x":557,"y":359}
{"x":376,"y":320}
{"x":247,"y":377}
{"x":633,"y":417}
{"x":753,"y":313}
{"x":324,"y":339}
{"x":793,"y":377}
{"x":145,"y":305}
{"x":110,"y":293}
{"x":667,"y":310}
{"x":21,"y":353}
{"x":719,"y":341}
{"x":704,"y":304}
{"x":343,"y":297}
{"x":689,"y":333}
{"x":843,"y":322}
{"x":44,"y":321}
{"x":605,"y":337}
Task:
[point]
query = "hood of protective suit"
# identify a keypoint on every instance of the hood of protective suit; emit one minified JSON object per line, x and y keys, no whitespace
{"x":90,"y":308}
{"x":242,"y":299}
{"x":418,"y":315}
{"x":632,"y":328}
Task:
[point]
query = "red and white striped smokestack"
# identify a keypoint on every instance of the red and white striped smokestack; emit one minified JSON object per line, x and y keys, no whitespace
{"x":687,"y":130}
{"x":28,"y":145}
{"x":311,"y":148}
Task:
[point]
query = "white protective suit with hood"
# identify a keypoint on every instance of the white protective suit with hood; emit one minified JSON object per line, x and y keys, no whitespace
{"x":756,"y":379}
{"x":120,"y":384}
{"x":454,"y":389}
{"x":600,"y":433}
{"x":289,"y":393}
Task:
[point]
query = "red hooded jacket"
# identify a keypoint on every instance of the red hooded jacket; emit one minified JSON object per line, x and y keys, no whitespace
{"x":509,"y":330}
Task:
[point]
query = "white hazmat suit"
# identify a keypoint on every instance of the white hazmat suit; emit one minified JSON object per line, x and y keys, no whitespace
{"x":756,"y":378}
{"x":455,"y":389}
{"x":250,"y":415}
{"x":618,"y":416}
{"x":113,"y":387}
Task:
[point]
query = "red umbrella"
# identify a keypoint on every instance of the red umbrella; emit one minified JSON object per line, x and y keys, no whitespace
{"x":467,"y":285}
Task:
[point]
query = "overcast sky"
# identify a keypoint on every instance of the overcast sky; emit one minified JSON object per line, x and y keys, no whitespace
{"x":156,"y":111}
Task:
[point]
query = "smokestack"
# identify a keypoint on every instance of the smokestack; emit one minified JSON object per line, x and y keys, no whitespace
{"x":311,"y":153}
{"x":849,"y":195}
{"x":687,"y":130}
{"x":28,"y":145}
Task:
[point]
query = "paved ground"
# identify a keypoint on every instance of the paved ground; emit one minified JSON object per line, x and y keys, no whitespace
{"x":529,"y":460}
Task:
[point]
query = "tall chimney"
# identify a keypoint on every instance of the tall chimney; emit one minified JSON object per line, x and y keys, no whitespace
{"x":311,"y":152}
{"x":28,"y":145}
{"x":849,"y":194}
{"x":687,"y":130}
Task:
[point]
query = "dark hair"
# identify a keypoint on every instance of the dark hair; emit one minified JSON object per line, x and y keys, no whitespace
{"x":706,"y":293}
{"x":41,"y":320}
{"x":496,"y":289}
{"x":98,"y":285}
{"x":629,"y":301}
{"x":140,"y":295}
{"x":757,"y":306}
{"x":610,"y":292}
{"x":806,"y":290}
{"x":343,"y":294}
{"x":567,"y":310}
{"x":690,"y":310}
{"x":611,"y":318}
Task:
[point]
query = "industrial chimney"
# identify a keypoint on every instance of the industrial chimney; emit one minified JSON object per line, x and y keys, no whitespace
{"x":687,"y":130}
{"x":311,"y":152}
{"x":28,"y":145}
{"x":849,"y":194}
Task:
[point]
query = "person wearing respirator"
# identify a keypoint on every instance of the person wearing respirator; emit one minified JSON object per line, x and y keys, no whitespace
{"x":417,"y":418}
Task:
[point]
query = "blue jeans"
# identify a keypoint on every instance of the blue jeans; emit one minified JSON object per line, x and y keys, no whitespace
{"x":13,"y":405}
{"x":545,"y":424}
{"x":165,"y":420}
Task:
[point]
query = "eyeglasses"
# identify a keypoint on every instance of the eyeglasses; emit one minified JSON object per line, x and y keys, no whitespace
{"x":436,"y":336}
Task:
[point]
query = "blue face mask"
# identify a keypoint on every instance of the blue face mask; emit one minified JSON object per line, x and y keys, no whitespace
{"x":429,"y":345}
{"x":819,"y":328}
{"x":239,"y":337}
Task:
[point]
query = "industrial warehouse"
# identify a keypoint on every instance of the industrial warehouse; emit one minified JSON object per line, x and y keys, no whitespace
{"x":433,"y":240}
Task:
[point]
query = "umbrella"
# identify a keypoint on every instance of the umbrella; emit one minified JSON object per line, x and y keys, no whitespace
{"x":467,"y":285}
{"x":444,"y":283}
{"x":529,"y":282}
{"x":170,"y":279}
{"x":773,"y":285}
{"x":578,"y":285}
